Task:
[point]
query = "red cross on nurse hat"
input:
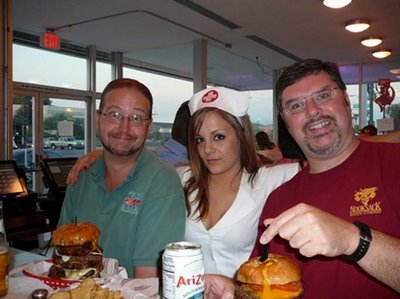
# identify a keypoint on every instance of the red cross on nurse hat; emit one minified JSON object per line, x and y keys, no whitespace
{"x":229,"y":100}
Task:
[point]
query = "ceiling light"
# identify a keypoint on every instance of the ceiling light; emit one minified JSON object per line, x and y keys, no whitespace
{"x":395,"y":71}
{"x":371,"y":41}
{"x":398,"y":77}
{"x":357,"y":25}
{"x":383,"y":53}
{"x":336,"y":3}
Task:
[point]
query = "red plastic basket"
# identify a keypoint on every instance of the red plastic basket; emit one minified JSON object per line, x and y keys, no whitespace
{"x":55,"y":283}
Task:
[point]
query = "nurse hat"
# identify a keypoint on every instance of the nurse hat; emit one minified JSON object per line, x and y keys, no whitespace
{"x":231,"y":101}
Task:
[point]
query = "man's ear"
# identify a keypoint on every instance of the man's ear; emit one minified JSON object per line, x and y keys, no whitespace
{"x":149,"y":127}
{"x":96,"y":119}
{"x":283,"y":119}
{"x":346,"y":98}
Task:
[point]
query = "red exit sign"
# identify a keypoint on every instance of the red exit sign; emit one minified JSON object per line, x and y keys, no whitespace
{"x":50,"y":40}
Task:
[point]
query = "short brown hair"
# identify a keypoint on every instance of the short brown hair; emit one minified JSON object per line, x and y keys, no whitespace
{"x":301,"y":69}
{"x":127,"y":83}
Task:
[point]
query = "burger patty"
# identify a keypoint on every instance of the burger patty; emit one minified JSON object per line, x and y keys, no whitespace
{"x":80,"y":262}
{"x":241,"y":293}
{"x":77,"y":250}
{"x":56,"y":271}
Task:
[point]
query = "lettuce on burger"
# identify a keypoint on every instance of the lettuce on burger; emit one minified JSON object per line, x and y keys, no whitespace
{"x":278,"y":277}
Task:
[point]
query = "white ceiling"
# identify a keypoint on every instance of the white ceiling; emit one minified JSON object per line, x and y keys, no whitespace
{"x":160,"y":34}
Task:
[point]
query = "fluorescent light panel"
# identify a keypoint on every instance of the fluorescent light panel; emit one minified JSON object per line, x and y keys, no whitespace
{"x":336,"y":3}
{"x":382,"y":53}
{"x":372,"y":41}
{"x":357,"y":25}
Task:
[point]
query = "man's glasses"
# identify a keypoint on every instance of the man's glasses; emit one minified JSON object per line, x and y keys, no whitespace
{"x":115,"y":117}
{"x":319,"y":97}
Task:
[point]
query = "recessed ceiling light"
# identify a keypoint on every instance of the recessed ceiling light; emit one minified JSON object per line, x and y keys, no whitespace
{"x":336,"y":3}
{"x":357,"y":25}
{"x":395,"y":71}
{"x":372,"y":41}
{"x":382,"y":53}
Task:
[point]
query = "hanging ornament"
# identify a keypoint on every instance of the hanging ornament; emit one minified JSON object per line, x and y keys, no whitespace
{"x":386,"y":93}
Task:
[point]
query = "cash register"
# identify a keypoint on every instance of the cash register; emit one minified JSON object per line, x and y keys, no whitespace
{"x":55,"y":172}
{"x":22,"y":218}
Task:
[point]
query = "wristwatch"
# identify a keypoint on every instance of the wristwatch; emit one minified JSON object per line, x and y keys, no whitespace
{"x":363,"y":244}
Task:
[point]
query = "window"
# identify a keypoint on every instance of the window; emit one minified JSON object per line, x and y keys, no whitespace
{"x":44,"y":67}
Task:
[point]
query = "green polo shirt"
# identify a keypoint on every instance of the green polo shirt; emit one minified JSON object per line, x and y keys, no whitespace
{"x":138,"y":218}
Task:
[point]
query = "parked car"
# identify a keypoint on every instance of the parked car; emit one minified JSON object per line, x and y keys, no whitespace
{"x":65,"y":142}
{"x":47,"y":141}
{"x":23,"y":158}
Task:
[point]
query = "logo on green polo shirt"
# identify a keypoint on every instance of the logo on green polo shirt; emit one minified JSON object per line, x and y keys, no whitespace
{"x":132,"y":202}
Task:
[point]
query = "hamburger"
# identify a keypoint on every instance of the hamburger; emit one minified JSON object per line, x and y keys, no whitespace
{"x":278,"y":277}
{"x":77,"y":254}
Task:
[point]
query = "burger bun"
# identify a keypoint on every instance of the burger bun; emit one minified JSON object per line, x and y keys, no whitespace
{"x":278,"y":269}
{"x":72,"y":234}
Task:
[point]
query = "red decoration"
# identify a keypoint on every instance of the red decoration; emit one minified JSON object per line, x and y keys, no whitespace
{"x":386,"y":93}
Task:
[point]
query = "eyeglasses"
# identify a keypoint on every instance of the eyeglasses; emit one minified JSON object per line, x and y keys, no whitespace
{"x":115,"y":117}
{"x":320,"y":98}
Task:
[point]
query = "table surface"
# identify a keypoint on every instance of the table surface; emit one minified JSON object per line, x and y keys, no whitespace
{"x":20,"y":286}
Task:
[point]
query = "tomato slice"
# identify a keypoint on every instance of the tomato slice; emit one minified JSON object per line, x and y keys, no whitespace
{"x":289,"y":287}
{"x":256,"y":287}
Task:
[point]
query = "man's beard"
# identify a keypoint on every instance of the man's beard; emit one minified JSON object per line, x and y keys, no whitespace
{"x":330,"y":148}
{"x":118,"y":152}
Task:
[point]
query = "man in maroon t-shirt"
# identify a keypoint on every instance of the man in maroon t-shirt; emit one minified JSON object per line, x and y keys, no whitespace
{"x":340,"y":216}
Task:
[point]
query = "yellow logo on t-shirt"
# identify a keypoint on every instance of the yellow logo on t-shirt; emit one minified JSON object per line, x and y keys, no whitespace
{"x":364,"y":197}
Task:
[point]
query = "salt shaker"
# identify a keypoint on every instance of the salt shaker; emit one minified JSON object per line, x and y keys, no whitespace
{"x":40,"y":294}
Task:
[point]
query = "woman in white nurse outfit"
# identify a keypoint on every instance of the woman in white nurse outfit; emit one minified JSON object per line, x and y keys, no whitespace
{"x":225,"y":185}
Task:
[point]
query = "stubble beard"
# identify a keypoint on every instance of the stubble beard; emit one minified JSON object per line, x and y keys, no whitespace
{"x":118,"y":152}
{"x":328,"y":149}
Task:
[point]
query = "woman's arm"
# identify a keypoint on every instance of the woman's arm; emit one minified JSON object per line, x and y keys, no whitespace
{"x":82,"y":164}
{"x":218,"y":287}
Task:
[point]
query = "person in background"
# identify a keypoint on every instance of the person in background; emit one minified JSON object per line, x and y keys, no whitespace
{"x":269,"y":152}
{"x":339,"y":217}
{"x":290,"y":150}
{"x":134,"y":197}
{"x":370,"y":133}
{"x":174,"y":150}
{"x":225,"y":184}
{"x":369,"y":130}
{"x":391,"y":137}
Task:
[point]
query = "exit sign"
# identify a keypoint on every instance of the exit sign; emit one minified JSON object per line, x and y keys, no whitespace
{"x":50,"y":40}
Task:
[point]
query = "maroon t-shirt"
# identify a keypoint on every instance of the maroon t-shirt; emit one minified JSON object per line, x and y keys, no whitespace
{"x":365,"y":187}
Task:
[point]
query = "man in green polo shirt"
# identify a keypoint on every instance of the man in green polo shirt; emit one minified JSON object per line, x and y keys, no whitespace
{"x":131,"y":195}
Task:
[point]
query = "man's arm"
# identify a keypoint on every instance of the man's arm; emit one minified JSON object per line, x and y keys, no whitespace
{"x":382,"y":260}
{"x":389,"y":137}
{"x":313,"y":231}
